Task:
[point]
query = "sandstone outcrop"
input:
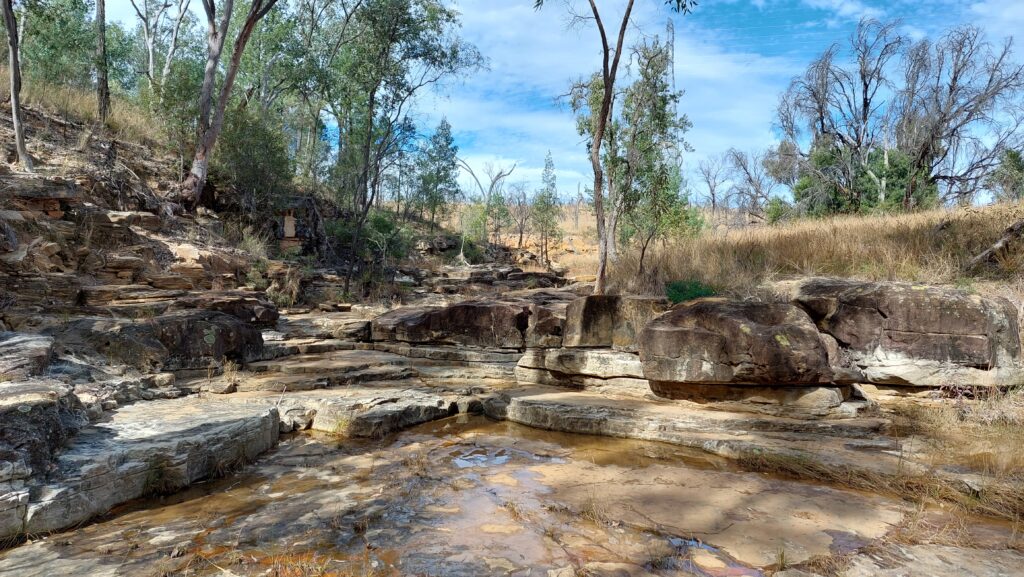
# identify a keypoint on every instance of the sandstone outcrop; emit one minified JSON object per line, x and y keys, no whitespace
{"x":610,"y":320}
{"x":170,"y":342}
{"x":903,"y":334}
{"x":722,"y":342}
{"x":507,"y":323}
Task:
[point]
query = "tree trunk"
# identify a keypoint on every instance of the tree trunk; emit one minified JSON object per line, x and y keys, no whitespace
{"x":102,"y":85}
{"x":14,"y":64}
{"x":609,"y":71}
{"x":210,"y":127}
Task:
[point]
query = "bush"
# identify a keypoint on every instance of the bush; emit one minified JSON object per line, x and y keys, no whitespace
{"x":681,"y":291}
{"x":252,"y":159}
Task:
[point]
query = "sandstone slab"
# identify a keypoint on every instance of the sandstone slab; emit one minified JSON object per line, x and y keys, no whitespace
{"x":722,"y":342}
{"x":904,"y":334}
{"x":610,"y":320}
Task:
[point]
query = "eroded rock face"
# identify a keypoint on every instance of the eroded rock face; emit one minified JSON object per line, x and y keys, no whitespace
{"x":477,"y":323}
{"x":37,"y":417}
{"x":246,"y":307}
{"x":174,"y":341}
{"x":903,"y":334}
{"x":721,"y":342}
{"x":22,"y":355}
{"x":610,"y":320}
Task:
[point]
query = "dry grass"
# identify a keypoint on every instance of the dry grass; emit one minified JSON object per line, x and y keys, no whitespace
{"x":928,"y":246}
{"x":127,"y":121}
{"x":984,"y":435}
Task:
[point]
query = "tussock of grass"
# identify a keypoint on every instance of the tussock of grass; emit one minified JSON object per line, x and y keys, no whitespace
{"x":984,"y":435}
{"x":931,"y":246}
{"x":127,"y":120}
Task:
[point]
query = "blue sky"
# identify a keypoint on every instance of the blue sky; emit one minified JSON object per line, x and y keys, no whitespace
{"x":733,"y":58}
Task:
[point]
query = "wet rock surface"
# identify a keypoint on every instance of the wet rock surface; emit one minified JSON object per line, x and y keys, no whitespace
{"x":468,"y":497}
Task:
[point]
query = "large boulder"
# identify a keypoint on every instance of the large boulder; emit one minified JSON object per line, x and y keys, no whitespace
{"x":175,"y":341}
{"x":479,"y":323}
{"x":904,"y":334}
{"x":724,"y":342}
{"x":610,"y":320}
{"x":524,"y":318}
{"x":246,"y":306}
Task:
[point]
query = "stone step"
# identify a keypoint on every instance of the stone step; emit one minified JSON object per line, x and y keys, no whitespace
{"x":336,"y":361}
{"x":146,"y":448}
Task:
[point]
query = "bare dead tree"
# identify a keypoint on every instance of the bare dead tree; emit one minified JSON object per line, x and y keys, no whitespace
{"x":752,"y":184}
{"x":518,"y":203}
{"x":713,"y":173}
{"x":492,"y":193}
{"x":14,"y":67}
{"x":961,"y":111}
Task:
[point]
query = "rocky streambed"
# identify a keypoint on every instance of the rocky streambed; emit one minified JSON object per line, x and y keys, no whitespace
{"x":471,"y":496}
{"x":533,"y":432}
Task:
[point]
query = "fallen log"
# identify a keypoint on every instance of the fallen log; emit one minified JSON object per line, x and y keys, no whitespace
{"x":1001,"y":246}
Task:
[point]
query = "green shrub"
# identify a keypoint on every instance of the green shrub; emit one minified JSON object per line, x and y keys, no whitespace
{"x":687,"y":290}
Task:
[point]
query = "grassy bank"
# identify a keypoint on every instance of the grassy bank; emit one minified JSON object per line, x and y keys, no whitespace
{"x":931,"y":247}
{"x":127,"y":120}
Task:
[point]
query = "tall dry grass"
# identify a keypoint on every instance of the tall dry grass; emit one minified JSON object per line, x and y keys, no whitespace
{"x":931,"y":246}
{"x":127,"y":121}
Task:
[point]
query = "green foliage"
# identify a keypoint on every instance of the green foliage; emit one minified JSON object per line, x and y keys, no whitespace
{"x":681,"y":291}
{"x":1007,"y":181}
{"x":387,"y":238}
{"x":59,"y":42}
{"x":252,"y":159}
{"x":546,"y":209}
{"x":438,"y":171}
{"x":777,"y":210}
{"x":474,"y":221}
{"x":877,"y":186}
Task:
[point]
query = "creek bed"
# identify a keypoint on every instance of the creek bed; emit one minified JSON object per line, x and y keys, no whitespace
{"x":467,"y":496}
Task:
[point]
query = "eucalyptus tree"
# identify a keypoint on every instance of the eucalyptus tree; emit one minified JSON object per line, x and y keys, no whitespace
{"x":403,"y":48}
{"x":160,"y":27}
{"x":211,"y":109}
{"x":102,"y":77}
{"x":611,"y":54}
{"x":14,"y":68}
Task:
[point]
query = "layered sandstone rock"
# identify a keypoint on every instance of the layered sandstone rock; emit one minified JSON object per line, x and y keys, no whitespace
{"x":610,"y":320}
{"x":903,"y":334}
{"x":174,"y":341}
{"x":509,"y":323}
{"x":245,"y":306}
{"x":722,"y":342}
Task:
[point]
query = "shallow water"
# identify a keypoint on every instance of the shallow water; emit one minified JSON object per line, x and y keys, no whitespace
{"x":462,"y":496}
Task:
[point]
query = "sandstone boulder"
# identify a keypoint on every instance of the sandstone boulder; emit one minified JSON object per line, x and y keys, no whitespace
{"x":480,"y":323}
{"x":175,"y":341}
{"x":903,"y":334}
{"x":723,"y":342}
{"x":246,"y":306}
{"x":610,"y":320}
{"x":37,"y":416}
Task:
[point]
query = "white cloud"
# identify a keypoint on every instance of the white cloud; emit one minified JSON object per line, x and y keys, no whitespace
{"x":1003,"y":18}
